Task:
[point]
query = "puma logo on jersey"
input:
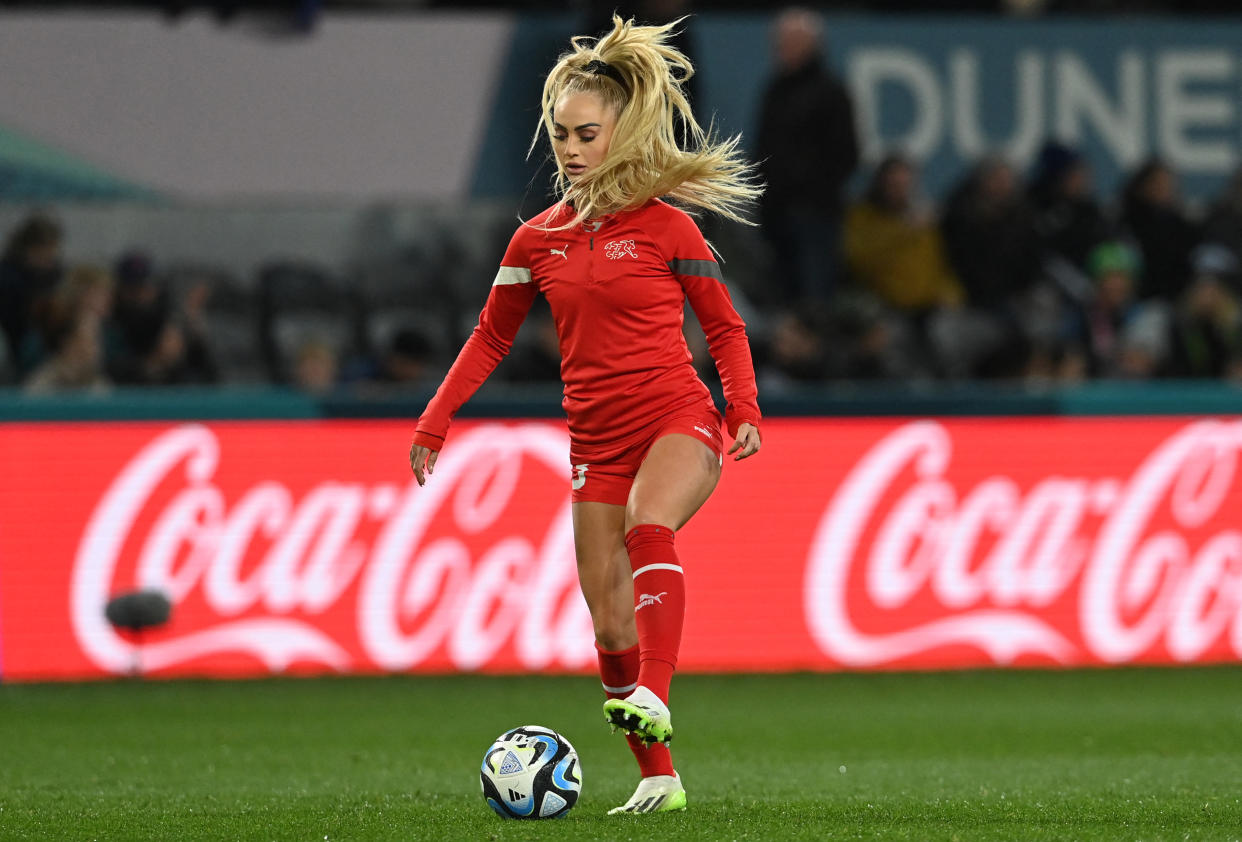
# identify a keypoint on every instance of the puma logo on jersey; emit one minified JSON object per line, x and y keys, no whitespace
{"x":563,"y":251}
{"x":650,"y":599}
{"x":618,"y":249}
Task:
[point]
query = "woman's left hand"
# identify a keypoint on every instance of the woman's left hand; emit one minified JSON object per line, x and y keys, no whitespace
{"x":746,"y":440}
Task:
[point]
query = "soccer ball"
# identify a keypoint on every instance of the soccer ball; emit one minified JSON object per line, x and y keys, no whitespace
{"x":531,"y":773}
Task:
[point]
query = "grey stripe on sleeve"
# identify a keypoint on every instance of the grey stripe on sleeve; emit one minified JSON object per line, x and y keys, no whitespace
{"x":697,"y":268}
{"x":512,"y":275}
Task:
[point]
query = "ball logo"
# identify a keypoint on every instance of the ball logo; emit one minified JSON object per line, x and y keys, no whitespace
{"x":904,"y":562}
{"x":269,"y":566}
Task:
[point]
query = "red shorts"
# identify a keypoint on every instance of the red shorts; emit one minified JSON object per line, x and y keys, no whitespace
{"x":605,"y":476}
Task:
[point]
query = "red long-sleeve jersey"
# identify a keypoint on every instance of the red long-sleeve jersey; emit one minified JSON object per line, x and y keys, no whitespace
{"x":617,"y":289}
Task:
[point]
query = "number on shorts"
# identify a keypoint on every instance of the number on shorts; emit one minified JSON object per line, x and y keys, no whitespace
{"x":579,"y":477}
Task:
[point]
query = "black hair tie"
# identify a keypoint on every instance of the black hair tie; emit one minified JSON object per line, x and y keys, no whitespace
{"x":603,"y":68}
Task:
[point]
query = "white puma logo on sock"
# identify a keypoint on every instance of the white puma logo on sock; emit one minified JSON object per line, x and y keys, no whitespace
{"x":650,"y":599}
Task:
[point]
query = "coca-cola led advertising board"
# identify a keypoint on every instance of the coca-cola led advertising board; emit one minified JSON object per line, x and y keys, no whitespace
{"x":859,"y":544}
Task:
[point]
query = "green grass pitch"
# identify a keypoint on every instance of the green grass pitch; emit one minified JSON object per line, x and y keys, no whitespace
{"x":1125,"y":754}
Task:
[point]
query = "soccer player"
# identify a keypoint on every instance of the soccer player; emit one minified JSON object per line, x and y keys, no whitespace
{"x":616,"y":264}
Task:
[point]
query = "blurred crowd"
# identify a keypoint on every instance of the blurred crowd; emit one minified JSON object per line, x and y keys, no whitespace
{"x":1027,"y":276}
{"x":87,"y":327}
{"x":1031,"y":277}
{"x":90,"y":327}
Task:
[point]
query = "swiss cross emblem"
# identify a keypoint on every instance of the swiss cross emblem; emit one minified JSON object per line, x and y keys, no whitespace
{"x":618,"y":249}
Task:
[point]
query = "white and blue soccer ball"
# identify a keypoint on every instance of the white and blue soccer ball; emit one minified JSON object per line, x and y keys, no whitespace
{"x":531,"y":772}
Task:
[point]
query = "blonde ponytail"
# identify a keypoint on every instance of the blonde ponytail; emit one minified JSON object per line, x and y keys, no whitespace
{"x":636,"y":72}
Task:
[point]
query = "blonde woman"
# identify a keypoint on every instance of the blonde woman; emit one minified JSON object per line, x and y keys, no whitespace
{"x":617,"y":264}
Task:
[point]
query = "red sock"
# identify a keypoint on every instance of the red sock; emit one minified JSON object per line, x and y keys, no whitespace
{"x":619,"y":672}
{"x":659,"y":604}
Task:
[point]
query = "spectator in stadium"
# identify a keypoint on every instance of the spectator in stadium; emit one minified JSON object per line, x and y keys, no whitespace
{"x":155,"y":340}
{"x":893,"y":247}
{"x":869,"y":342}
{"x":1223,"y":224}
{"x":1068,"y":219}
{"x":140,"y":304}
{"x":77,"y":364}
{"x":989,"y":236}
{"x":807,"y":148}
{"x":1116,"y":335}
{"x":1152,"y":214}
{"x":316,"y":367}
{"x":70,"y":334}
{"x":408,"y":360}
{"x":30,"y":269}
{"x":617,"y":265}
{"x":1206,"y":335}
{"x":84,"y":292}
{"x":172,"y":354}
{"x":1056,"y":363}
{"x":796,"y":352}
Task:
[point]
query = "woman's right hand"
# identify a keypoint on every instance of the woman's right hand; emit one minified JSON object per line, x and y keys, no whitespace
{"x":422,"y":456}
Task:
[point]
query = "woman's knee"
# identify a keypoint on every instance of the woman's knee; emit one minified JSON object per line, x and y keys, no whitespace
{"x":637,"y":514}
{"x":615,"y":631}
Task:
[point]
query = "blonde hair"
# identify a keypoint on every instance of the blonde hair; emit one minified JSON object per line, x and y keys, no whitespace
{"x":641,"y":77}
{"x":73,"y":292}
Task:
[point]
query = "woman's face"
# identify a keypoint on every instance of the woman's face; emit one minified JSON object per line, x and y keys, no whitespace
{"x":582,"y":130}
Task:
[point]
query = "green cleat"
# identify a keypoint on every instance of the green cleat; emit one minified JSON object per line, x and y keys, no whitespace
{"x":641,"y":713}
{"x":657,"y":794}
